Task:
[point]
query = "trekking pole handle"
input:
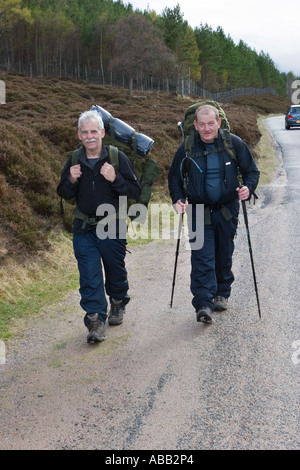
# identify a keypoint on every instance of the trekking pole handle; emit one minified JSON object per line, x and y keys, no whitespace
{"x":241,"y":186}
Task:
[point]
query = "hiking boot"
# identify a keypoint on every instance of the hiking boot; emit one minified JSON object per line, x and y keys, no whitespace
{"x":204,"y":315}
{"x":116,"y":312}
{"x":220,"y":303}
{"x":96,"y":328}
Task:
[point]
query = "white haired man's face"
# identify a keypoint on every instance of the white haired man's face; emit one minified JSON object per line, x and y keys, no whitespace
{"x":91,"y":137}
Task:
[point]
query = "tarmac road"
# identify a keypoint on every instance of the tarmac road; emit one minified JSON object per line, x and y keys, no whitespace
{"x":162,"y":381}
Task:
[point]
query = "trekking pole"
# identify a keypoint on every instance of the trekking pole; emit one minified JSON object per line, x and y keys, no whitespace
{"x":251,"y":255}
{"x":176,"y":256}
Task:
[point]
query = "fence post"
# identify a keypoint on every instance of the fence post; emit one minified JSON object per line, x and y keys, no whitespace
{"x":2,"y":92}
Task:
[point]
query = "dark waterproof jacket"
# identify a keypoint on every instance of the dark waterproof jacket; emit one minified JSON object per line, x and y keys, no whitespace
{"x":196,"y":172}
{"x":92,"y":189}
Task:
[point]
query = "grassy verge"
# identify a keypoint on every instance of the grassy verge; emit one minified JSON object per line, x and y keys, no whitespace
{"x":26,"y":289}
{"x":267,"y":163}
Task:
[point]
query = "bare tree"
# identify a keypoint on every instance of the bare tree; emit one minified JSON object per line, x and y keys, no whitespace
{"x":139,"y":51}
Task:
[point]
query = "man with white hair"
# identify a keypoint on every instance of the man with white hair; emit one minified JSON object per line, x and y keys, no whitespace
{"x":93,"y":181}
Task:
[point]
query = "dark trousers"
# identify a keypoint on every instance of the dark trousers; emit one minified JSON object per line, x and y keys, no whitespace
{"x":211,"y":273}
{"x":92,"y":255}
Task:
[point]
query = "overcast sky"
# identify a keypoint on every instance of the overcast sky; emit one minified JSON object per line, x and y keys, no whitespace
{"x":272,"y":26}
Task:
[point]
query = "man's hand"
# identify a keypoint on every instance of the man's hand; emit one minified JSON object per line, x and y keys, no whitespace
{"x":108,"y":172}
{"x":75,"y":173}
{"x":181,"y":206}
{"x":244,"y":193}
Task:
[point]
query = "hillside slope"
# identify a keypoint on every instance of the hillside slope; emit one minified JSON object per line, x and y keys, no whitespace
{"x":38,"y":125}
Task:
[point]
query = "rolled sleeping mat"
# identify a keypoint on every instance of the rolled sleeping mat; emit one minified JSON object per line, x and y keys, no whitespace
{"x":124,"y":133}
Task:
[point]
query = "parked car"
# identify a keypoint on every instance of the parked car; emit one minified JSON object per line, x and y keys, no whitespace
{"x":292,"y":117}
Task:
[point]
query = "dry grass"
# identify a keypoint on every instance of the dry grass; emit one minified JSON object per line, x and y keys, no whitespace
{"x":268,"y":164}
{"x":44,"y":268}
{"x":38,"y":281}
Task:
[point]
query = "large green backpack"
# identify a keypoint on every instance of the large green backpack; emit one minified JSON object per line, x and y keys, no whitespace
{"x":188,"y":134}
{"x":136,"y":146}
{"x":188,"y":131}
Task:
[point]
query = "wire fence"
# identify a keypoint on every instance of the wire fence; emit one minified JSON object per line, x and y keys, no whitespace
{"x":189,"y":87}
{"x":228,"y":95}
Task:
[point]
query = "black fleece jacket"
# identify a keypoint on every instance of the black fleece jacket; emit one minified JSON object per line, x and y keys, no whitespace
{"x":92,"y":189}
{"x":195,"y":191}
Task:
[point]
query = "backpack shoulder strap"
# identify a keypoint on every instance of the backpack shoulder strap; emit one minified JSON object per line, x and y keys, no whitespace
{"x":113,"y":156}
{"x":113,"y":153}
{"x":228,"y":145}
{"x":74,"y":155}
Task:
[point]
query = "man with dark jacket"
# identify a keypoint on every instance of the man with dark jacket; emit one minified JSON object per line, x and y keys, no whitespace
{"x":212,"y":179}
{"x":94,"y":183}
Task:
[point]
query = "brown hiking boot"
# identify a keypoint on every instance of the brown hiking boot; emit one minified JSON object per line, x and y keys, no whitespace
{"x":220,"y":303}
{"x":204,"y":315}
{"x":116,"y":312}
{"x":96,"y":328}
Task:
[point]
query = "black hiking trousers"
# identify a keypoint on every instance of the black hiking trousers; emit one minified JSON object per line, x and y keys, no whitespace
{"x":211,"y":266}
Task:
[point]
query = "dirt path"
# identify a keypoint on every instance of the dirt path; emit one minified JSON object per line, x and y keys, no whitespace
{"x":161,"y":380}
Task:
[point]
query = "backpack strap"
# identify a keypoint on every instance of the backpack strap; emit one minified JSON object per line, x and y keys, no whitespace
{"x":113,"y":153}
{"x":75,"y":157}
{"x":114,"y":161}
{"x":228,"y":145}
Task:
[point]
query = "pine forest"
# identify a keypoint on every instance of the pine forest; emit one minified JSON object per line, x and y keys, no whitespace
{"x":107,"y":42}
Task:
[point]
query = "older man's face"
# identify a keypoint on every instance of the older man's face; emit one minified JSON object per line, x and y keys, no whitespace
{"x":91,"y":136}
{"x":208,"y":126}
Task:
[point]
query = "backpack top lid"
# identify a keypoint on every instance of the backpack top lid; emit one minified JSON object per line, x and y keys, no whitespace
{"x":119,"y":131}
{"x":188,"y":124}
